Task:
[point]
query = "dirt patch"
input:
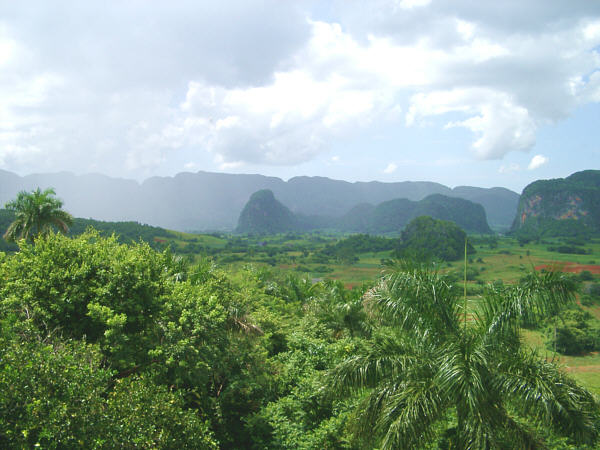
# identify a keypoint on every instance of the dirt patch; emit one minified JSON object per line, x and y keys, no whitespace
{"x":570,"y":267}
{"x":595,"y":368}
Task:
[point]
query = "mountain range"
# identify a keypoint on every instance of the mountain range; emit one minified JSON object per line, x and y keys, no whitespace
{"x":213,"y":201}
{"x":264,"y":214}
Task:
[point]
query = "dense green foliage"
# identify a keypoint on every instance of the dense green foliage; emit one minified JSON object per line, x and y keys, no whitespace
{"x":428,"y":238}
{"x":58,"y":394}
{"x":574,"y":333}
{"x":126,"y":231}
{"x":105,"y":344}
{"x":6,"y":218}
{"x":560,"y":207}
{"x":142,"y":310}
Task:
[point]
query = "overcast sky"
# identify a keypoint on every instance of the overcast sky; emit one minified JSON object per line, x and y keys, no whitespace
{"x":460,"y":92}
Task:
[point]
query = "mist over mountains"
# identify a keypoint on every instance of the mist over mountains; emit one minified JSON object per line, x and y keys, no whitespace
{"x":213,"y":201}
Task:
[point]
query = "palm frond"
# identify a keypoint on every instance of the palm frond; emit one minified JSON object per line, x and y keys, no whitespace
{"x":541,"y":390}
{"x":501,"y":312}
{"x":386,"y":359}
{"x":407,"y":416}
{"x":412,"y":297}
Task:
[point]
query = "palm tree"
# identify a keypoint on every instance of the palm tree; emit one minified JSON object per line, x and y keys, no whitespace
{"x":36,"y":213}
{"x":431,"y":372}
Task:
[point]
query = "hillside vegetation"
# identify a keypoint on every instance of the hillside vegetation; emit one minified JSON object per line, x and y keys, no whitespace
{"x":560,"y":207}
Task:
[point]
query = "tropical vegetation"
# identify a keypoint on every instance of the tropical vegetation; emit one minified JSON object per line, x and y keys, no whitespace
{"x":36,"y":213}
{"x":434,"y":371}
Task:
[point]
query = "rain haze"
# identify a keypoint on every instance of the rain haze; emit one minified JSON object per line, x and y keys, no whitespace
{"x":456,"y":92}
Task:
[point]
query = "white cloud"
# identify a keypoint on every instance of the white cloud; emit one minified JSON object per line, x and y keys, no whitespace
{"x":270,"y":83}
{"x":537,"y":161}
{"x":498,"y":123}
{"x":390,"y":168}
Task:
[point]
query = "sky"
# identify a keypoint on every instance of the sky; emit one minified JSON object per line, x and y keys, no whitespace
{"x":458,"y":92}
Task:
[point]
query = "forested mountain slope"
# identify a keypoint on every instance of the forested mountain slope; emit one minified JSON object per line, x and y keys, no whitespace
{"x":562,"y":206}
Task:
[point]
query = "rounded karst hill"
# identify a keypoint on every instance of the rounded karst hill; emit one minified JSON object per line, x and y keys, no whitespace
{"x":264,"y":214}
{"x":428,"y":238}
{"x":560,"y":207}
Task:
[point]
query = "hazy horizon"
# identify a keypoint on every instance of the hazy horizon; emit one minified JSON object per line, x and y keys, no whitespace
{"x":141,"y":181}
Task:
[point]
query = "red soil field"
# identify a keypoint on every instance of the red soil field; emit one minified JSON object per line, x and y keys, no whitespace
{"x":570,"y":267}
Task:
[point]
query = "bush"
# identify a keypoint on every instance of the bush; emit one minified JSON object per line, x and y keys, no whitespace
{"x":594,"y":290}
{"x":574,"y":341}
{"x":575,"y":335}
{"x":323,"y":269}
{"x":586,"y":275}
{"x":568,"y":249}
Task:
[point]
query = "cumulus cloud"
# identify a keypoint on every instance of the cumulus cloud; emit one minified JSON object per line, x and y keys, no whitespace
{"x":537,"y":161}
{"x":269,"y":82}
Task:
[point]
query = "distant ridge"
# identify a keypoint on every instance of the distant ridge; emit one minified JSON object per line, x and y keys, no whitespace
{"x":213,"y":201}
{"x":264,"y":214}
{"x":392,"y":215}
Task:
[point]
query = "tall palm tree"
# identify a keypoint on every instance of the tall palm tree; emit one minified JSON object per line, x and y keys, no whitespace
{"x":36,"y":213}
{"x":432,"y":368}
